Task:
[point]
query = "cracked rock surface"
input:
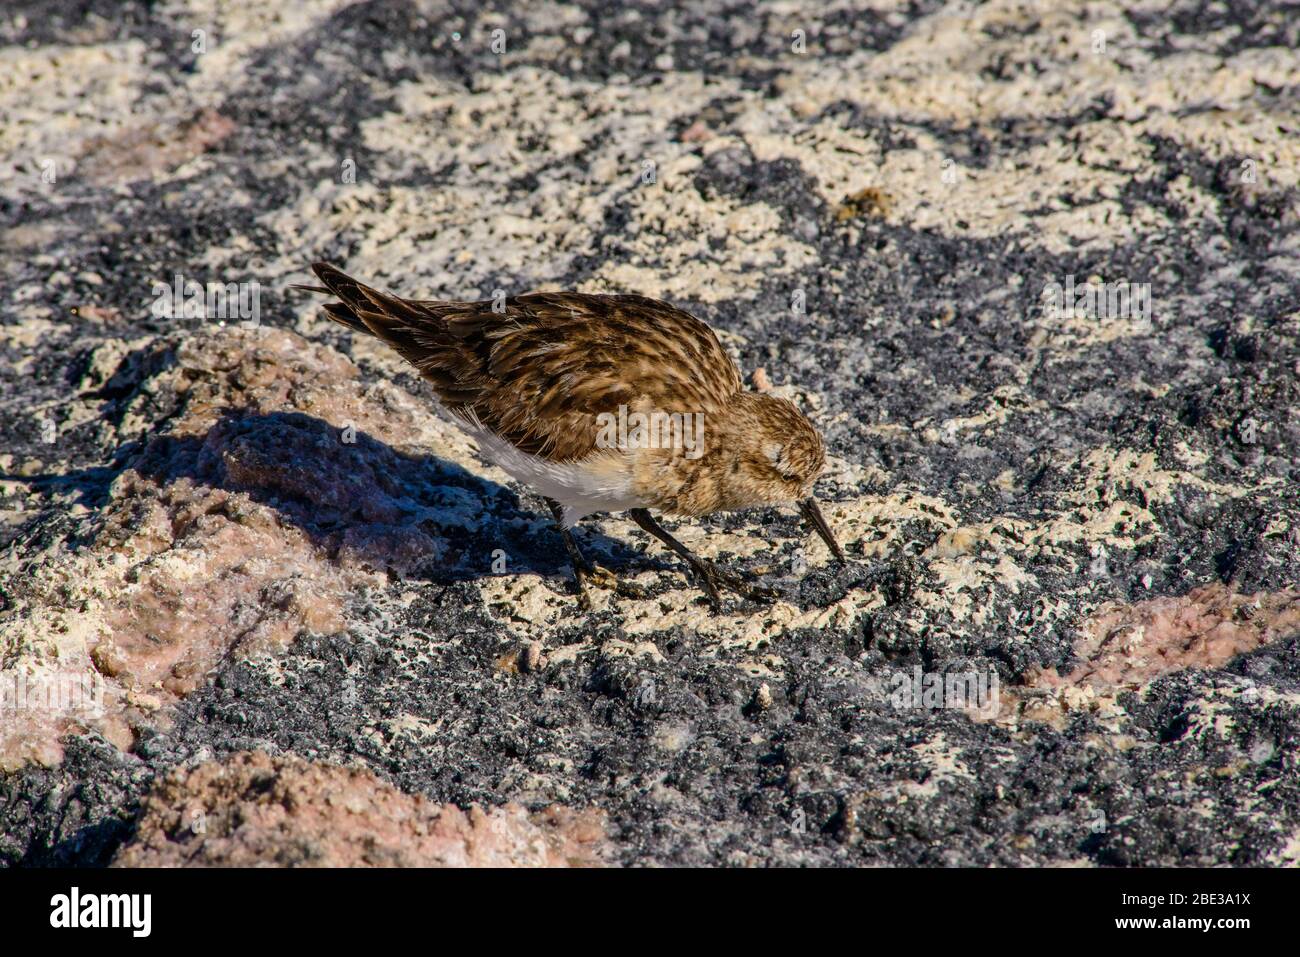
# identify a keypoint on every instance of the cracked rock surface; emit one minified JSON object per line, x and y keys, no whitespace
{"x":248,"y":570}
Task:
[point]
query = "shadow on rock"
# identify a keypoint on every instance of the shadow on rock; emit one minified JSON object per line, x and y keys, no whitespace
{"x":365,"y":503}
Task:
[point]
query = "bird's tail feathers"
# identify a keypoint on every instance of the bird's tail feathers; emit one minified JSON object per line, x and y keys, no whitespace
{"x":368,"y":310}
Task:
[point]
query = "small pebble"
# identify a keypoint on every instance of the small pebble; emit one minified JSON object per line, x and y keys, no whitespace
{"x":530,"y":657}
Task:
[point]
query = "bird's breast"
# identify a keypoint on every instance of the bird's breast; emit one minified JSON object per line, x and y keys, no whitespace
{"x":600,"y":482}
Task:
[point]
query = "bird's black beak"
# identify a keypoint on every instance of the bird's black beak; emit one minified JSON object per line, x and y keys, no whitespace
{"x":813,"y":516}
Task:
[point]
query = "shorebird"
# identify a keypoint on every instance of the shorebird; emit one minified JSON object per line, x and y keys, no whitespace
{"x":602,"y":403}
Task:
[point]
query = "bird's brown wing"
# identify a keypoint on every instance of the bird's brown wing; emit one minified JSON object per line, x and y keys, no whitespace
{"x":540,"y":372}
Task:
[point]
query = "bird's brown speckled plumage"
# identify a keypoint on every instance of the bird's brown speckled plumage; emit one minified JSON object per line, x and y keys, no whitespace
{"x":532,"y":376}
{"x":538,"y":373}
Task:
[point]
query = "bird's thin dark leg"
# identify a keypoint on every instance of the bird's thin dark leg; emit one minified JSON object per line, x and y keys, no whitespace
{"x":580,"y":566}
{"x":709,"y":574}
{"x":584,"y":571}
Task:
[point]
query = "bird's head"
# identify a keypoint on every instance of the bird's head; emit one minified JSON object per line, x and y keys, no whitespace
{"x":780,"y":456}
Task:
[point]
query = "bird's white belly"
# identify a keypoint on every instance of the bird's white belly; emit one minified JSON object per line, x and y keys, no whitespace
{"x":600,"y":483}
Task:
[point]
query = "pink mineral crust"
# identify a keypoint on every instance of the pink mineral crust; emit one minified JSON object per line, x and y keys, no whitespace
{"x":1130,"y":645}
{"x":245,"y":518}
{"x":144,"y":151}
{"x":249,"y":583}
{"x":221,"y":515}
{"x":255,"y":810}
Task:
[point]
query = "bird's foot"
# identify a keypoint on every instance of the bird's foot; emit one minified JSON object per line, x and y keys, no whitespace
{"x":604,"y":578}
{"x":711,"y":576}
{"x":580,"y":582}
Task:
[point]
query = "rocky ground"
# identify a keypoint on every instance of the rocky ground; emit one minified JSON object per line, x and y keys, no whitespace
{"x":316,"y":628}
